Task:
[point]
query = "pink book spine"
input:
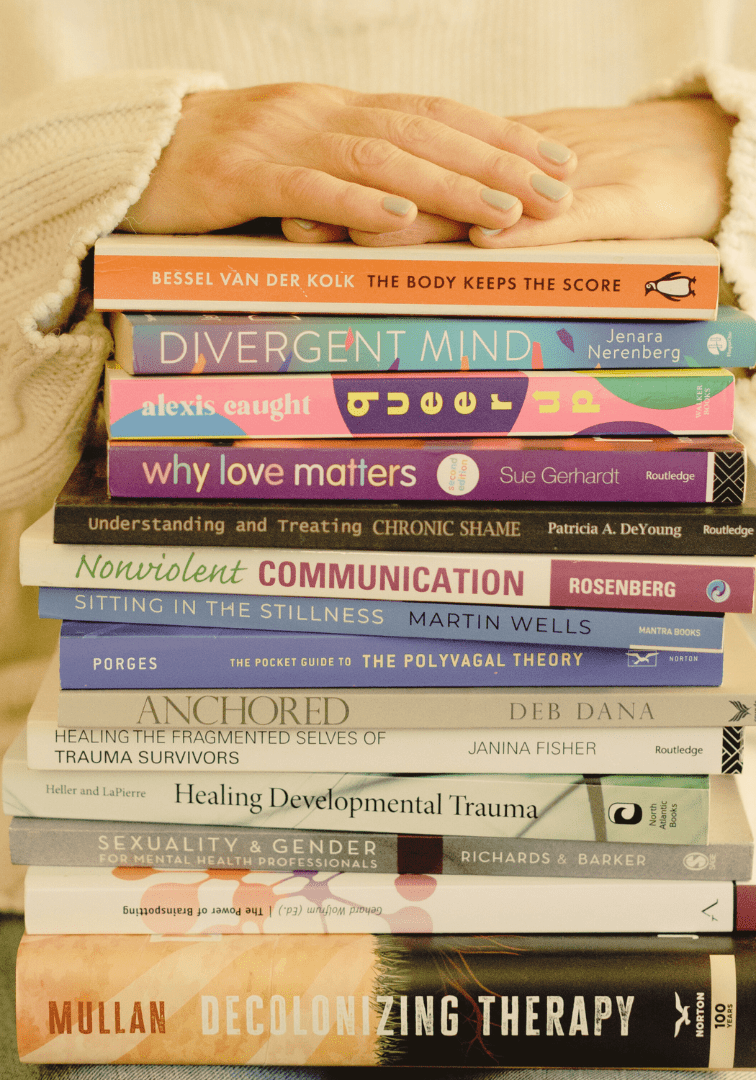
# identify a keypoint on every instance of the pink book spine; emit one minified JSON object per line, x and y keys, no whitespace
{"x":419,"y":405}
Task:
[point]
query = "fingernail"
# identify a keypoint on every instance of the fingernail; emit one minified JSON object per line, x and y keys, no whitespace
{"x":395,"y":205}
{"x":548,"y":186}
{"x":554,"y":151}
{"x":304,"y":224}
{"x":500,"y":199}
{"x":490,"y":232}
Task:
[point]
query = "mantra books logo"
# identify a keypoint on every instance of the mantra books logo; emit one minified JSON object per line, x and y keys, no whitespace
{"x":718,"y":591}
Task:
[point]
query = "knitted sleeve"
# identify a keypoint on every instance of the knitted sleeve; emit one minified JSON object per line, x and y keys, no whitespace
{"x":72,"y":160}
{"x":735,"y":90}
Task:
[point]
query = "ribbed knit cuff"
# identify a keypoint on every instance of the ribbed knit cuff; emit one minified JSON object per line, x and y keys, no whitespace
{"x":73,"y":160}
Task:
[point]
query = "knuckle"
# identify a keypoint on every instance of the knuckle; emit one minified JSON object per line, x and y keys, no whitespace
{"x":435,"y":107}
{"x":366,"y":154}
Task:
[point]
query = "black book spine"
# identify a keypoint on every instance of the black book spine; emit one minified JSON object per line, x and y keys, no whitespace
{"x":583,"y":528}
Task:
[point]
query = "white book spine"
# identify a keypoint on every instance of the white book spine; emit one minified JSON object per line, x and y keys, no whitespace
{"x":94,"y":900}
{"x":677,"y":751}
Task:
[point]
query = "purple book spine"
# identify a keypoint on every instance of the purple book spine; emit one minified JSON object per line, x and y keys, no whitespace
{"x":124,"y":656}
{"x":437,"y":471}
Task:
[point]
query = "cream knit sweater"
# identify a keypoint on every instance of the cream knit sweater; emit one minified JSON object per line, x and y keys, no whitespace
{"x":90,"y":93}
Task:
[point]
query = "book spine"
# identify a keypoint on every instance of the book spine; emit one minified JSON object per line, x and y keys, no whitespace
{"x":465,"y":472}
{"x":678,"y":583}
{"x":112,"y":656}
{"x":516,"y":528}
{"x":389,"y":709}
{"x":419,"y":1000}
{"x":193,"y":343}
{"x":475,"y":622}
{"x":49,"y":842}
{"x":272,"y":277}
{"x":554,"y":807}
{"x":80,"y":900}
{"x":417,"y":405}
{"x":678,"y":751}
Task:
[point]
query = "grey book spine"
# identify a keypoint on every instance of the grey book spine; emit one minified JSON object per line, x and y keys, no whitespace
{"x":51,"y":842}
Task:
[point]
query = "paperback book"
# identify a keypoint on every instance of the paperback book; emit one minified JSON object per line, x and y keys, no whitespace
{"x":673,"y":583}
{"x":625,"y":279}
{"x":392,"y":618}
{"x":540,"y":806}
{"x":99,"y":900}
{"x":653,"y":470}
{"x":192,"y":343}
{"x":727,"y":854}
{"x":689,"y":401}
{"x":114,"y":656}
{"x":86,"y":514}
{"x":423,"y":1000}
{"x":675,"y":751}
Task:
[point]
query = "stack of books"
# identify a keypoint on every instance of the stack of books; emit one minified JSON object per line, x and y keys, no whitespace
{"x":400,"y":697}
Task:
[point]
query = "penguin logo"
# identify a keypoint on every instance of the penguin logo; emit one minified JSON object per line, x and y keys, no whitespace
{"x":674,"y":286}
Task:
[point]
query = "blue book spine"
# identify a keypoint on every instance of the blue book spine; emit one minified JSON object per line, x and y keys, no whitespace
{"x":391,"y":618}
{"x":105,"y":656}
{"x":193,"y":343}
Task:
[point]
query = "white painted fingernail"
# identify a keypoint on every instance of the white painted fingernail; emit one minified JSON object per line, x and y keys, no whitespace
{"x":500,"y":199}
{"x":396,"y":205}
{"x":490,"y":232}
{"x":304,"y":224}
{"x":554,"y":151}
{"x":549,"y":187}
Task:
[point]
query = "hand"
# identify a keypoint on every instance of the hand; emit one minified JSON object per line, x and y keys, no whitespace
{"x":653,"y":170}
{"x":369,"y":162}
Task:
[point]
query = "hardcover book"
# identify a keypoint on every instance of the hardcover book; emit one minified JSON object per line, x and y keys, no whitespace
{"x":696,"y":401}
{"x":668,"y":583}
{"x":100,"y":900}
{"x":655,"y":470}
{"x":392,"y":618}
{"x":86,"y":514}
{"x":727,"y":854}
{"x":423,"y":1000}
{"x":625,"y":279}
{"x":114,"y":656}
{"x":538,"y":806}
{"x":191,"y":343}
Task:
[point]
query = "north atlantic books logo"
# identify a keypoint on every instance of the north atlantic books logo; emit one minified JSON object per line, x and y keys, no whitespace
{"x":718,"y":591}
{"x":628,"y":813}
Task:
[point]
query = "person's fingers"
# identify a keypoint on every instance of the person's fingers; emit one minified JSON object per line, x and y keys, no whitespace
{"x":301,"y":231}
{"x":268,"y":189}
{"x":505,"y":133}
{"x":613,"y":212}
{"x":444,"y":171}
{"x":425,"y":229}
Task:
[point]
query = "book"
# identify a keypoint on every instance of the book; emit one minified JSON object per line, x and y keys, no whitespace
{"x":673,"y":751}
{"x":669,"y":583}
{"x":625,"y":279}
{"x":101,"y":900}
{"x":727,"y":854}
{"x":621,"y":1001}
{"x":392,"y":618}
{"x":656,"y":470}
{"x":539,"y":806}
{"x":192,"y":343}
{"x":114,"y":656}
{"x":692,"y":401}
{"x":85,"y":514}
